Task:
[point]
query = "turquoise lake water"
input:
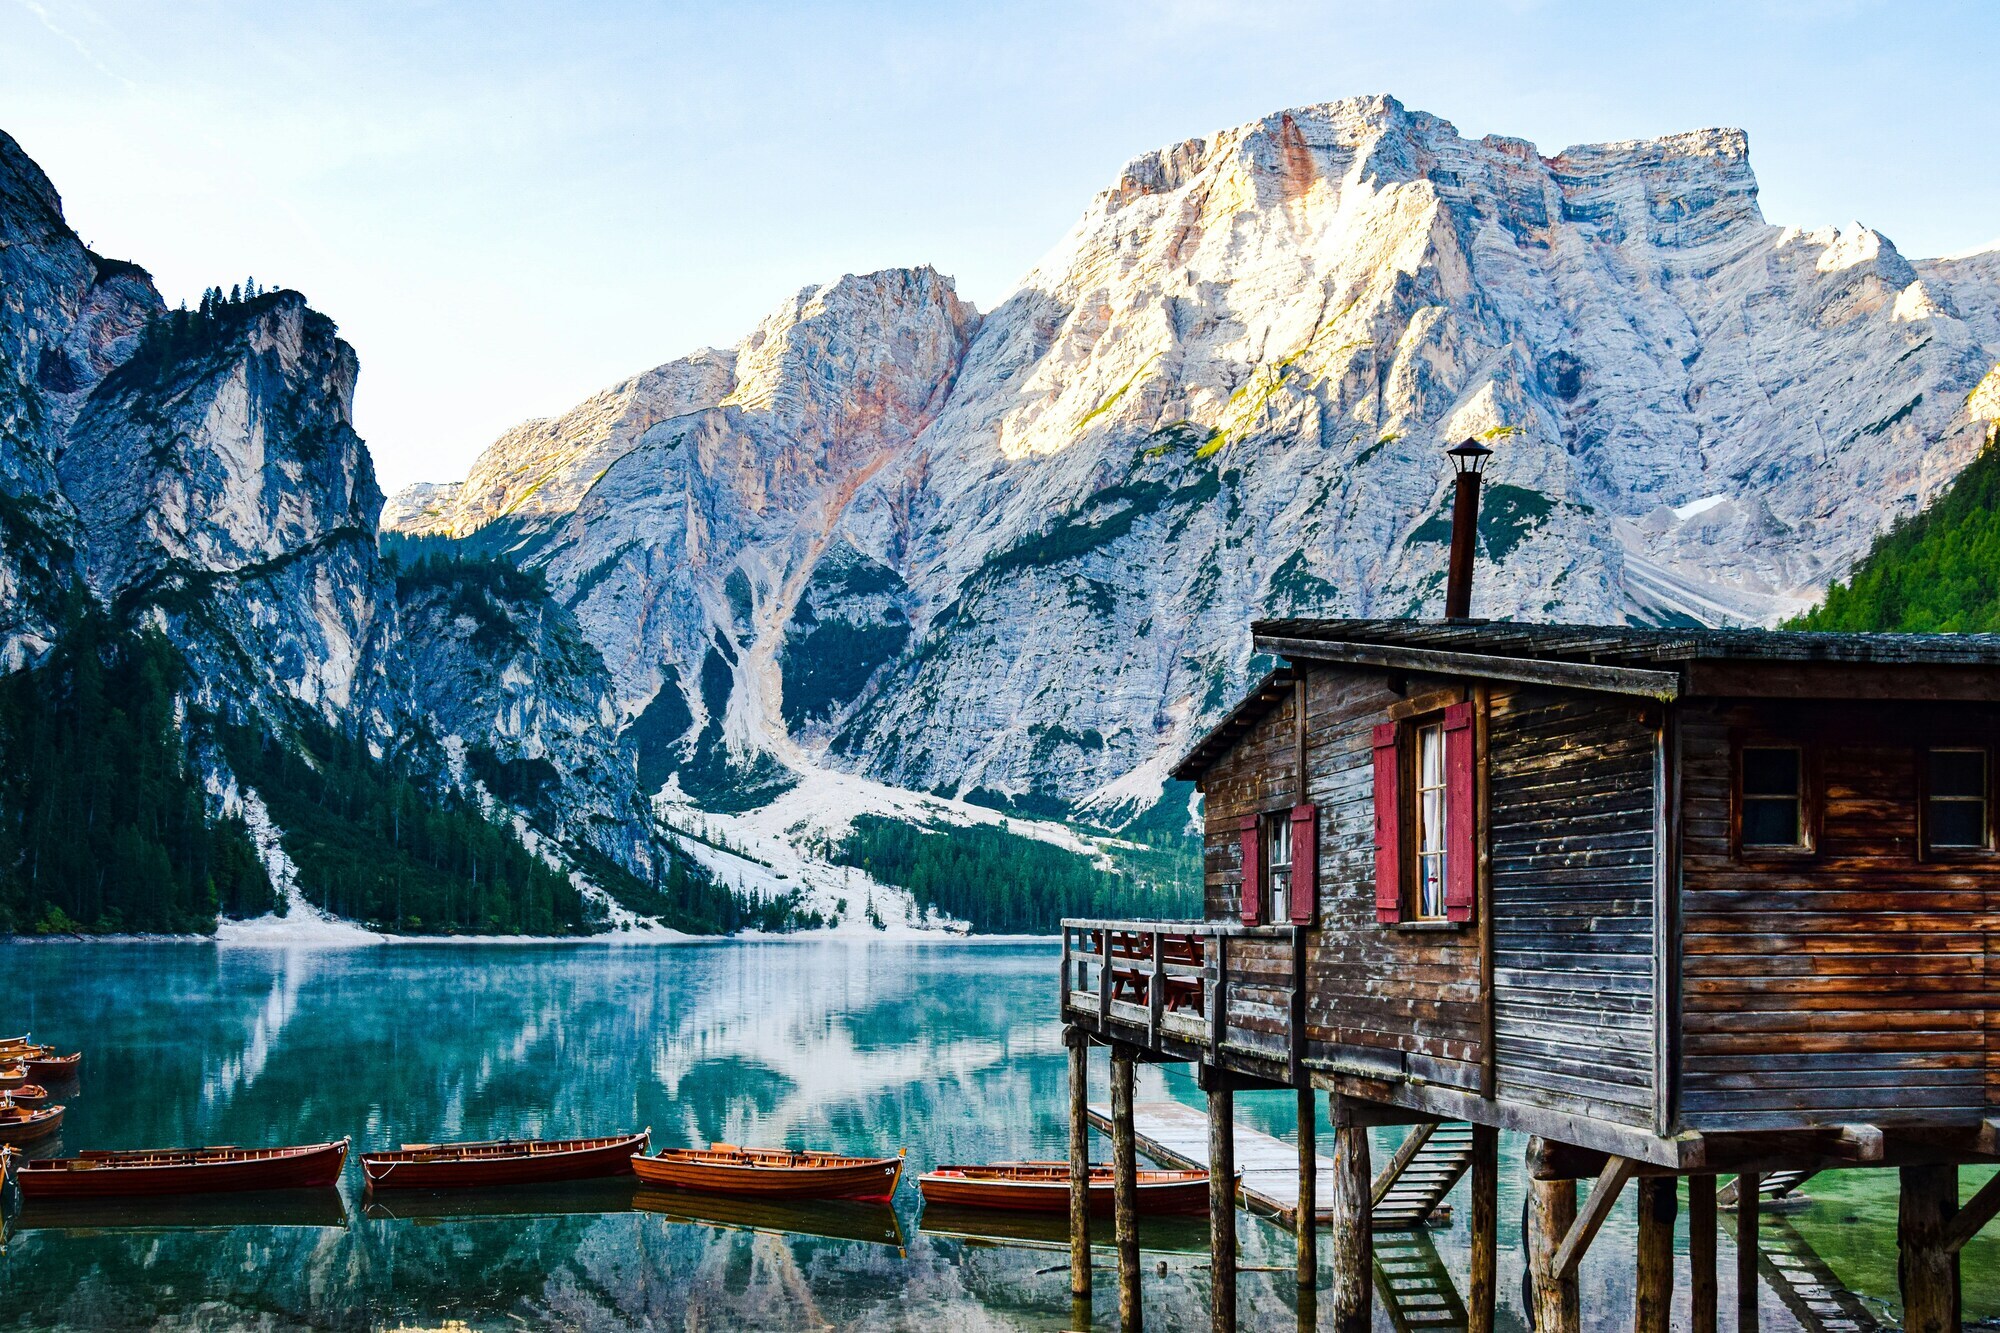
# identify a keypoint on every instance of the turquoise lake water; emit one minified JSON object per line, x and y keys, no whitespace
{"x":951,"y":1051}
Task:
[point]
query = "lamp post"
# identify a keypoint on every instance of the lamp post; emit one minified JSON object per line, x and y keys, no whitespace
{"x":1468,"y":460}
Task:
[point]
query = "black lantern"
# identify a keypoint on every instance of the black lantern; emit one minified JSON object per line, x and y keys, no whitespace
{"x":1468,"y":460}
{"x":1468,"y":457}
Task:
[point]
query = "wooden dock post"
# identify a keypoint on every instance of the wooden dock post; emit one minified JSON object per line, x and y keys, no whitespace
{"x":1221,"y":1203}
{"x":1551,"y":1214}
{"x":1306,"y":1222}
{"x":1926,"y":1268}
{"x":1701,"y":1253}
{"x":1653,"y":1290}
{"x":1749,"y":1197}
{"x":1078,"y":1042}
{"x":1353,"y":1229}
{"x":1485,"y":1226}
{"x":1125,"y":1192}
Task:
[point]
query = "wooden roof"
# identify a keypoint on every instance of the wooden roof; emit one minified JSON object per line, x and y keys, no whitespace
{"x":1644,"y":662}
{"x":1619,"y":645}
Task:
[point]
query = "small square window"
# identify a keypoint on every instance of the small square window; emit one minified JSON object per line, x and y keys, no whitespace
{"x":1773,"y":796}
{"x":1955,"y":799}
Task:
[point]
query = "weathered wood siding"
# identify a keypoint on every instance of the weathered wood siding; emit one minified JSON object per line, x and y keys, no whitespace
{"x":1855,"y":984}
{"x":1397,"y":999}
{"x":1259,"y":773}
{"x":1572,"y":837}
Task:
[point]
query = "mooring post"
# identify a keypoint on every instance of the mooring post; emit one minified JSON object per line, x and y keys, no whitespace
{"x":1221,"y":1203}
{"x":1307,"y":1221}
{"x":1653,"y":1291}
{"x":1551,"y":1213}
{"x":1353,"y":1234}
{"x":1078,"y":1042}
{"x":1749,"y":1202}
{"x":1926,"y":1270}
{"x":1485,"y":1224}
{"x":1701,"y":1253}
{"x":1125,"y":1191}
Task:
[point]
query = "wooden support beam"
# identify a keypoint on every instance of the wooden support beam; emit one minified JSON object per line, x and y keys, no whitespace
{"x":1485,"y":1227}
{"x":1596,"y":1211}
{"x":1988,"y":1141}
{"x":1222,"y":1208}
{"x":1749,"y":1199}
{"x":1125,"y":1192}
{"x":1859,"y":1143}
{"x":1925,"y":1270}
{"x":1974,"y":1215}
{"x":1306,"y":1220}
{"x":1551,"y":1215}
{"x":1078,"y":1043}
{"x":1353,"y":1235}
{"x":1653,"y":1288}
{"x":1701,"y":1254}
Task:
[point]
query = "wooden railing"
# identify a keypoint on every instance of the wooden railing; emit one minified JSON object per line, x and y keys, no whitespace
{"x":1213,"y":984}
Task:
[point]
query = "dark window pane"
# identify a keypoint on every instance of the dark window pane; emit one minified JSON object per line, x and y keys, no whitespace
{"x":1958,"y":772}
{"x":1770,"y":772}
{"x":1958,"y":823}
{"x":1770,"y":822}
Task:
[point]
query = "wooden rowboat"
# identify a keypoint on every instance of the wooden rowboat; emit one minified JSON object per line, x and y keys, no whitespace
{"x":772,"y":1173}
{"x":22,"y":1124}
{"x":1043,"y":1187}
{"x":50,"y":1068}
{"x":13,"y":1075}
{"x":182,"y":1171}
{"x":501,"y":1162}
{"x":30,"y":1095}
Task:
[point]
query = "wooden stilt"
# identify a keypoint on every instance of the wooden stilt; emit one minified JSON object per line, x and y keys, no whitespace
{"x":1701,"y":1253}
{"x":1653,"y":1291}
{"x":1749,"y":1200}
{"x":1125,"y":1192}
{"x":1078,"y":1042}
{"x":1353,"y":1234}
{"x":1551,"y":1214}
{"x":1927,"y":1269}
{"x":1485,"y":1224}
{"x":1221,"y":1206}
{"x":1306,"y":1221}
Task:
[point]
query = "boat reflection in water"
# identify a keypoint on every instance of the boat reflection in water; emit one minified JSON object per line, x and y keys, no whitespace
{"x":824,"y":1219}
{"x":583,"y":1198}
{"x":322,"y":1208}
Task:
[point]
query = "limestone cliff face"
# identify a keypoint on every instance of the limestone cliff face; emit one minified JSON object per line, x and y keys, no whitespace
{"x":67,"y":317}
{"x":222,"y":490}
{"x":1020,"y":552}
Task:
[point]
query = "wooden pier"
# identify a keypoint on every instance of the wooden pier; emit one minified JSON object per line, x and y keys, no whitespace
{"x":1176,"y":1135}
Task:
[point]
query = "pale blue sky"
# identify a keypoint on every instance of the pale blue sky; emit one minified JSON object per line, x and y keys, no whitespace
{"x":509,"y":206}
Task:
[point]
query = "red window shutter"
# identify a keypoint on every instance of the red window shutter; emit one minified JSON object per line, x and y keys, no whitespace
{"x":1461,"y":852}
{"x":1388,"y":825}
{"x":1253,"y":876}
{"x":1305,"y":863}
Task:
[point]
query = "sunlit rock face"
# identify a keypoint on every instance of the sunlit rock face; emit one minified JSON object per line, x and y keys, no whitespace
{"x":224,"y":487}
{"x":1020,"y":552}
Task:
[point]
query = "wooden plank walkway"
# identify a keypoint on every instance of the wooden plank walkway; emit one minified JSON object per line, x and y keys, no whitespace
{"x":1176,"y":1135}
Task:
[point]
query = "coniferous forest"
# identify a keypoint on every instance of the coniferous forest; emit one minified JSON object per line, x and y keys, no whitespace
{"x":1938,"y":572}
{"x":1006,"y":882}
{"x":103,"y":820}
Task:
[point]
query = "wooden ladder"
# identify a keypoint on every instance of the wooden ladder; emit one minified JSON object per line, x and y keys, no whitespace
{"x":1416,"y":1288}
{"x":1421,"y":1173}
{"x":1806,"y":1285}
{"x":1777,"y":1185}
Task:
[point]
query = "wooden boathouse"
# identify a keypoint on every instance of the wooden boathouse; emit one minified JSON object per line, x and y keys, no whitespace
{"x":1675,"y":904}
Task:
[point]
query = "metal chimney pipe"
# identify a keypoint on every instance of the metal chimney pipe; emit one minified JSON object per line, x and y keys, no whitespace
{"x":1468,"y":459}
